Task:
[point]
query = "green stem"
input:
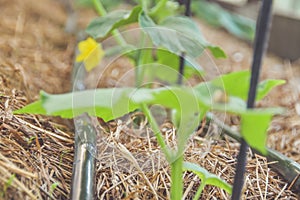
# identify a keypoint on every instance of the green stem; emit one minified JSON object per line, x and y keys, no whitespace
{"x":199,"y":191}
{"x":156,"y":131}
{"x":139,"y":72}
{"x":157,"y":7}
{"x":176,"y":178}
{"x":144,"y":4}
{"x":102,"y":12}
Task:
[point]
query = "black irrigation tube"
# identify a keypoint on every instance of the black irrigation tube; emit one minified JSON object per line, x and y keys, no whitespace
{"x":260,"y":45}
{"x":82,"y":185}
{"x":286,"y":167}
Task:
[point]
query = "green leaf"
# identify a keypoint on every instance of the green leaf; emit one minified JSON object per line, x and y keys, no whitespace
{"x":254,"y":125}
{"x":171,"y":39}
{"x":237,"y":84}
{"x":207,"y":177}
{"x":111,"y":103}
{"x":215,"y":15}
{"x":206,"y":96}
{"x":216,"y":51}
{"x":188,"y":27}
{"x":164,"y":66}
{"x":266,"y":86}
{"x":102,"y":26}
{"x":237,"y":25}
{"x":33,"y":108}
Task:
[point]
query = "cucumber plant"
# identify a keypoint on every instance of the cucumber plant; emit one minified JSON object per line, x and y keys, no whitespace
{"x":171,"y":36}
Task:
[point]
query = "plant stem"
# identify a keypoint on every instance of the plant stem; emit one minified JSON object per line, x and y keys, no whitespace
{"x":156,"y":131}
{"x":199,"y":191}
{"x":157,"y":7}
{"x":102,"y":12}
{"x":176,"y":178}
{"x":139,"y":72}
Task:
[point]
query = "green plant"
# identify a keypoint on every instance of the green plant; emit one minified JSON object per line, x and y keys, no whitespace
{"x":189,"y":105}
{"x":7,"y":185}
{"x":53,"y":187}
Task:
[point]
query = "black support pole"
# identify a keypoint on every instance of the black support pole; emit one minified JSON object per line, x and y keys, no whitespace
{"x":260,"y":45}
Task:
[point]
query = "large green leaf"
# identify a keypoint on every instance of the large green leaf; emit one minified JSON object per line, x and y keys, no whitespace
{"x":207,"y":177}
{"x":106,"y":103}
{"x":215,"y":15}
{"x":254,"y":125}
{"x":170,"y":39}
{"x":191,"y":29}
{"x":102,"y":26}
{"x":111,"y":103}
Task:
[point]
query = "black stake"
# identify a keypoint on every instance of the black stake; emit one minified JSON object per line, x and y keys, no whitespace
{"x":181,"y":69}
{"x":187,"y":13}
{"x":260,"y":45}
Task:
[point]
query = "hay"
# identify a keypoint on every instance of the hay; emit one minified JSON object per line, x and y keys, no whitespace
{"x":37,"y":54}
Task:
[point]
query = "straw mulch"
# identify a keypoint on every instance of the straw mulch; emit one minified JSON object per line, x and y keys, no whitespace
{"x":36,"y":152}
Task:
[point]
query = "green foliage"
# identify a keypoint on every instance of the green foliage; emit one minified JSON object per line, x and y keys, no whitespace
{"x":53,"y":187}
{"x":163,"y":9}
{"x":237,"y":84}
{"x":172,"y":36}
{"x":101,"y":26}
{"x":188,"y":28}
{"x":189,"y":104}
{"x":177,"y":34}
{"x":215,"y":15}
{"x":161,"y":64}
{"x":254,"y":124}
{"x":7,"y":184}
{"x":206,"y":177}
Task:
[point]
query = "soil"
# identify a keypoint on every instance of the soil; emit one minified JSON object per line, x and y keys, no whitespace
{"x":36,"y":152}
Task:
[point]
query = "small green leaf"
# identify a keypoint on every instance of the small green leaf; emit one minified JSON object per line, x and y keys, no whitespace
{"x":9,"y":182}
{"x":102,"y":26}
{"x":237,"y":84}
{"x":216,"y":51}
{"x":254,"y":125}
{"x":266,"y":86}
{"x":53,"y":187}
{"x":205,"y":93}
{"x":164,"y":66}
{"x":163,"y":9}
{"x":207,"y":177}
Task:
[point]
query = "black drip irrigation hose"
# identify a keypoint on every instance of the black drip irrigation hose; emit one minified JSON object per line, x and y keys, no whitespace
{"x":260,"y":45}
{"x":286,"y":167}
{"x":82,"y":185}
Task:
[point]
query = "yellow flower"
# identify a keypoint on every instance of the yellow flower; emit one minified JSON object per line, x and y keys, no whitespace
{"x":91,"y":53}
